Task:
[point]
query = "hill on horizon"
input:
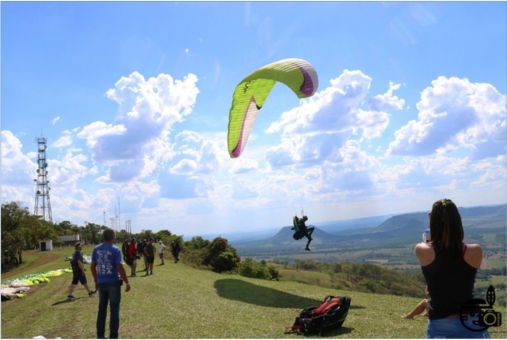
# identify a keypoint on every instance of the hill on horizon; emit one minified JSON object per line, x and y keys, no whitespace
{"x":471,"y":216}
{"x":398,"y":229}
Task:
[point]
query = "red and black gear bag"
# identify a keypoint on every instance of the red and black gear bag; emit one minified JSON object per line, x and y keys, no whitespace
{"x":329,"y":315}
{"x":126,"y":256}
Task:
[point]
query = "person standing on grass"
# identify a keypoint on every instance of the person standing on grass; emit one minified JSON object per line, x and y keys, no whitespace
{"x":133,"y":256}
{"x":161,"y":248}
{"x":175,"y":250}
{"x":449,"y":267}
{"x":78,"y":272}
{"x":140,"y":250}
{"x":109,"y":275}
{"x":149,"y":251}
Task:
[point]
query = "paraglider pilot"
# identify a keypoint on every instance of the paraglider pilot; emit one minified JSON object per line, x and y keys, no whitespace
{"x":301,"y":230}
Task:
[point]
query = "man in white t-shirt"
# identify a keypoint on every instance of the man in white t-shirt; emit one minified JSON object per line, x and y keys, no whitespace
{"x":161,"y":248}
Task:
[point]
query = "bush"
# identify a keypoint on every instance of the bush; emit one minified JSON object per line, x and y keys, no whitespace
{"x":221,"y":256}
{"x":248,"y":268}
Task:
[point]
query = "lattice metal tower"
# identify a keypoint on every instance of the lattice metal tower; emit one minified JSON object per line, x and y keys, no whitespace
{"x":42,"y":201}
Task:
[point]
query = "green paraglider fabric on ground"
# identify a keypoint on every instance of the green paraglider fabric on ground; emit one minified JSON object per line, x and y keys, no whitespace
{"x":10,"y":287}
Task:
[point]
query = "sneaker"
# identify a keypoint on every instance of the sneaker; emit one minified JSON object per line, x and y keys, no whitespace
{"x":70,"y":297}
{"x":307,"y":248}
{"x":92,"y":293}
{"x":134,"y":275}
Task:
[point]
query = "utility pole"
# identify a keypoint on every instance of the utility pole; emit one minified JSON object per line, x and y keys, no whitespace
{"x":119,"y":214}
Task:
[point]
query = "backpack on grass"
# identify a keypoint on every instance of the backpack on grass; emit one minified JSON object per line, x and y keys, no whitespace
{"x":329,"y":315}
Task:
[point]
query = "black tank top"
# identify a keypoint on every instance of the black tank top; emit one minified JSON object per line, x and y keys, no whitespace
{"x":450,"y":283}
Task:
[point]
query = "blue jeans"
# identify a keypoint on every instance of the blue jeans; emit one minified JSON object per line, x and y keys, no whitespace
{"x":109,"y":292}
{"x":452,"y":328}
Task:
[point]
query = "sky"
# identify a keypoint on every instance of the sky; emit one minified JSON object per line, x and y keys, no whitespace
{"x":134,"y":98}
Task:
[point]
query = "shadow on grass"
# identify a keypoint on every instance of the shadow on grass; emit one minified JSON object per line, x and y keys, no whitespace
{"x":239,"y":290}
{"x":339,"y":331}
{"x":65,"y":301}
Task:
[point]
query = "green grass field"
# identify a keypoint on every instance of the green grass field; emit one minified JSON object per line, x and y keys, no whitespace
{"x":182,"y":302}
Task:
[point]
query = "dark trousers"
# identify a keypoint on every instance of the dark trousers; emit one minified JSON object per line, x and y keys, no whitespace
{"x":109,"y":293}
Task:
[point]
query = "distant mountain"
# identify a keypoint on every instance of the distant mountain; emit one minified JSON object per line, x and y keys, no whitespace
{"x":355,"y":224}
{"x":398,"y":229}
{"x":284,"y":239}
{"x":403,"y":225}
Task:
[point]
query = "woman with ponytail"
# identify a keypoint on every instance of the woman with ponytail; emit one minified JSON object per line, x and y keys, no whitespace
{"x":449,"y":267}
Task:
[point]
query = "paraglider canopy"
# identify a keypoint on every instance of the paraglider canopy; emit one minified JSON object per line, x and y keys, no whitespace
{"x":251,"y":93}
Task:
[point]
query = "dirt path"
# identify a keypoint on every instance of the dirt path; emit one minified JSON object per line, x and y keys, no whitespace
{"x":43,"y":257}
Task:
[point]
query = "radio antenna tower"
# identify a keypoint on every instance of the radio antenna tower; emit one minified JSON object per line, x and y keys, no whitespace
{"x":42,"y":201}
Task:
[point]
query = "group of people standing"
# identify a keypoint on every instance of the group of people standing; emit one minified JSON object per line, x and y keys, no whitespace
{"x":144,"y":249}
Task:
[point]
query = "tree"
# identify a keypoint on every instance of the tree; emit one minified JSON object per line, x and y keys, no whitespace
{"x":197,"y":242}
{"x":122,"y":235}
{"x":93,"y":231}
{"x":221,"y":256}
{"x":64,"y":228}
{"x":163,"y":234}
{"x":146,"y":234}
{"x":13,"y":238}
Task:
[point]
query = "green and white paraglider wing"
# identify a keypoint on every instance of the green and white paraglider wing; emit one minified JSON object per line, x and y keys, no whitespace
{"x":252,"y":91}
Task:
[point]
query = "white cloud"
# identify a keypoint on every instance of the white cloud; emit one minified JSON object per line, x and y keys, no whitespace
{"x":188,"y":143}
{"x":63,"y":142}
{"x":209,"y":160}
{"x":316,"y":130}
{"x":185,"y":166}
{"x":386,"y":101}
{"x":17,"y":169}
{"x":54,"y":120}
{"x":94,"y":132}
{"x":455,"y":113}
{"x":243,"y":165}
{"x":241,"y":191}
{"x":68,"y":170}
{"x":330,"y":110}
{"x":138,"y":141}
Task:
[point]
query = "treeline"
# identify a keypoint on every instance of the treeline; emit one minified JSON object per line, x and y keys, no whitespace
{"x":22,"y":230}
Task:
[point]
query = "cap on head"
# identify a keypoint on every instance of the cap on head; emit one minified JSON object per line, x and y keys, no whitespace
{"x":133,"y":239}
{"x":77,"y":245}
{"x":144,"y":240}
{"x":305,"y":218}
{"x":151,"y":238}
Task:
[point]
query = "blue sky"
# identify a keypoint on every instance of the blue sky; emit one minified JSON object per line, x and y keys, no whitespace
{"x":134,"y":100}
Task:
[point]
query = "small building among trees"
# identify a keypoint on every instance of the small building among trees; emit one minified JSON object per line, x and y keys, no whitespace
{"x":46,"y":245}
